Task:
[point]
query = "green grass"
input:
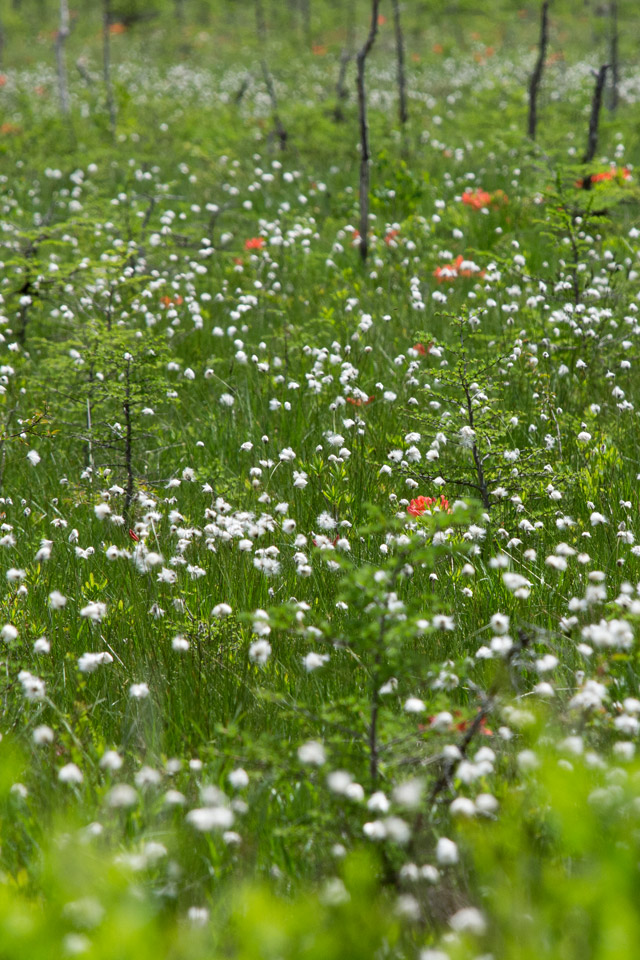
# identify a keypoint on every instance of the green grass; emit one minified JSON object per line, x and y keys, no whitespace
{"x":269,"y":392}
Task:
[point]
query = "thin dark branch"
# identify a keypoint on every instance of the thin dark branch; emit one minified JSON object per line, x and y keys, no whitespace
{"x":61,"y":39}
{"x":400,"y":64}
{"x":106,"y":65}
{"x":486,"y":705}
{"x":345,"y":58}
{"x":365,"y":155}
{"x":536,"y":76}
{"x":261,"y":31}
{"x":613,"y":55}
{"x":594,"y":119}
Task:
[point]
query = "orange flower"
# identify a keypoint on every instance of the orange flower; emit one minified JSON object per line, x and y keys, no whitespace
{"x":7,"y":128}
{"x":3,"y":79}
{"x":254,"y":243}
{"x":381,"y":20}
{"x":476,"y":199}
{"x":425,"y":504}
{"x":437,"y":48}
{"x":611,"y":174}
{"x":359,"y":402}
{"x":117,"y":28}
{"x":318,"y":50}
{"x":451,"y":271}
{"x":169,"y":301}
{"x":391,"y":236}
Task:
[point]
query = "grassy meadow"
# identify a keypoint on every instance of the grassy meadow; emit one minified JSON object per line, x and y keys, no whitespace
{"x":320,"y":575}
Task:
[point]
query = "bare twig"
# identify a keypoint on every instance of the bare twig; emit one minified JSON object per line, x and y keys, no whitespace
{"x":594,"y":119}
{"x":106,"y":64}
{"x":61,"y":39}
{"x":261,"y":30}
{"x":365,"y":155}
{"x":128,"y":447}
{"x":345,"y":58}
{"x":81,"y":67}
{"x":486,"y":705}
{"x":402,"y":79}
{"x":613,"y":55}
{"x":536,"y":76}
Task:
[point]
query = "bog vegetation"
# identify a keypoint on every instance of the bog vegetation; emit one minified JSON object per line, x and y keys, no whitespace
{"x":319,"y":461}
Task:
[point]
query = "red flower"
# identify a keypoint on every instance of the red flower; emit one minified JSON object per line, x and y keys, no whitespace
{"x":254,"y":243}
{"x":359,"y":402}
{"x":423,"y":504}
{"x":484,"y":729}
{"x":391,"y":236}
{"x":134,"y":536}
{"x":421,"y":349}
{"x":325,"y":541}
{"x":450,"y":271}
{"x":477,"y":199}
{"x":611,"y":174}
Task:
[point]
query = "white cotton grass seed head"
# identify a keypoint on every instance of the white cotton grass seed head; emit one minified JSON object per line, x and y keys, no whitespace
{"x":468,"y":920}
{"x":70,"y":773}
{"x":499,"y":623}
{"x":409,"y":794}
{"x":205,"y":819}
{"x":462,"y":807}
{"x":95,"y":611}
{"x":111,"y":760}
{"x":312,"y":753}
{"x":339,"y":780}
{"x":57,"y":600}
{"x":173,"y":798}
{"x":122,"y":796}
{"x":446,"y":852}
{"x":415,"y":705}
{"x":43,"y":735}
{"x":198,"y":916}
{"x":222,"y":610}
{"x":378,"y":802}
{"x":9,"y":633}
{"x":313,"y":661}
{"x":260,"y":651}
{"x":239,"y":779}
